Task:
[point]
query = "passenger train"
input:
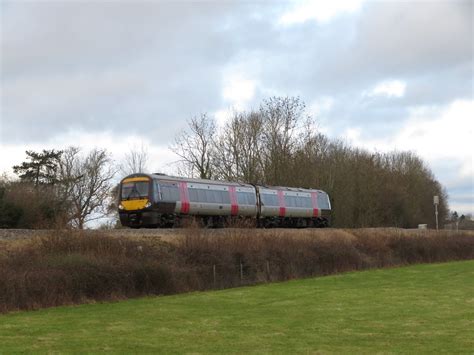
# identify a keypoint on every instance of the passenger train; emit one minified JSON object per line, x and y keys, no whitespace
{"x":158,"y":200}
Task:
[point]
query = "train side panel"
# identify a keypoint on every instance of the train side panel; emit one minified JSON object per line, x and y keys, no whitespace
{"x":165,"y":200}
{"x":207,"y":199}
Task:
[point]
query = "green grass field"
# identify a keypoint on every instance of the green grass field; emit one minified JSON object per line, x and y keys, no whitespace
{"x":424,"y":308}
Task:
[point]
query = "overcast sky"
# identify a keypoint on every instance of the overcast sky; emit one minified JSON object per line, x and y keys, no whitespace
{"x":382,"y":75}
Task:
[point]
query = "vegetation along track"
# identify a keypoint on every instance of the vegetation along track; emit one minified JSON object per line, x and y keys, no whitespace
{"x":74,"y":266}
{"x":170,"y":233}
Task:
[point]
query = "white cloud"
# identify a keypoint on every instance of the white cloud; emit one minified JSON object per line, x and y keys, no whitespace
{"x":321,"y":106}
{"x":160,"y":158}
{"x":352,"y":135}
{"x":445,"y":135}
{"x":318,"y":10}
{"x":222,"y":116}
{"x":389,"y":88}
{"x":238,"y":90}
{"x":433,"y":133}
{"x":442,"y":137}
{"x":238,"y":87}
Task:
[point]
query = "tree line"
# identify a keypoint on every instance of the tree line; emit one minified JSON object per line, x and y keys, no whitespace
{"x":278,"y":144}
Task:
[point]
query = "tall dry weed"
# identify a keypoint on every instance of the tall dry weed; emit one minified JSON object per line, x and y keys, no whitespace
{"x":69,"y":267}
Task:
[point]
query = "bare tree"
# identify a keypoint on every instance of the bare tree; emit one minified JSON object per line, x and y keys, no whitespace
{"x":281,"y":116}
{"x":237,"y":153}
{"x":135,"y":161}
{"x":86,"y":184}
{"x":194,"y":147}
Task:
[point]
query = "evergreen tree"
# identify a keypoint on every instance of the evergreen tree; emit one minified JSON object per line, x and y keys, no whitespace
{"x":40,"y":168}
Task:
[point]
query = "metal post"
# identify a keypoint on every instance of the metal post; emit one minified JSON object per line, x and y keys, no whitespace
{"x":436,"y":202}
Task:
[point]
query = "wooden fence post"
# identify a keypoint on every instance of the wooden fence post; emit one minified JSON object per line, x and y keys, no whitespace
{"x":214,"y":274}
{"x":241,"y":271}
{"x":268,"y":270}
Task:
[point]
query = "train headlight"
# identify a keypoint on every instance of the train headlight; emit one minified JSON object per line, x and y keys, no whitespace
{"x":148,"y":204}
{"x":120,"y":206}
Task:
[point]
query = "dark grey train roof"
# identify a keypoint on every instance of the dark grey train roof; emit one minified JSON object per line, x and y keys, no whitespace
{"x":293,"y":189}
{"x":198,"y":181}
{"x":158,"y":176}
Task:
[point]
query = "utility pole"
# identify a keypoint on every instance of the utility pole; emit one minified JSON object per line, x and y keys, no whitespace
{"x":436,"y":203}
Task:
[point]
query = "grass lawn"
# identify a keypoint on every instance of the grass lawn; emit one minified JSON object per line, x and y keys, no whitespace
{"x":424,"y":308}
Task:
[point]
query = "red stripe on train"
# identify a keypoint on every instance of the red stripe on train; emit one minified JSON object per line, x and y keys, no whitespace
{"x":314,"y":200}
{"x":281,"y":202}
{"x":234,"y":207}
{"x":184,"y":196}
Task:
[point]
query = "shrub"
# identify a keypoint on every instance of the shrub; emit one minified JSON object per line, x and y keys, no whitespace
{"x":73,"y":267}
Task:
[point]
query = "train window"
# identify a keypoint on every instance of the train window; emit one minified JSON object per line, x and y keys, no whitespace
{"x":307,"y":202}
{"x":218,"y":196}
{"x":303,"y":202}
{"x":298,"y":201}
{"x":291,"y":201}
{"x":169,"y":192}
{"x":323,"y":202}
{"x":156,"y":191}
{"x":251,"y":200}
{"x":245,"y":198}
{"x":242,"y":198}
{"x":270,"y":200}
{"x":210,"y":196}
{"x":225,"y":196}
{"x":193,"y":196}
{"x":201,"y":195}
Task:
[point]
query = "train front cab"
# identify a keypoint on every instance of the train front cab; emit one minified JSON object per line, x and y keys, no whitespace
{"x":136,"y":202}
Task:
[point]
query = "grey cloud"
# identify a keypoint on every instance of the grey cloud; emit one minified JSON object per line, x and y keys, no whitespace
{"x":69,"y":36}
{"x":99,"y":65}
{"x":428,"y":45}
{"x":415,"y":37}
{"x":389,"y":40}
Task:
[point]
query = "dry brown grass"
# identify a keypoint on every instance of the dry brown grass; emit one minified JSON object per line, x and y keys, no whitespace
{"x":68,"y":267}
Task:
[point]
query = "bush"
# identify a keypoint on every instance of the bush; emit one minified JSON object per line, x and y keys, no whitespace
{"x":23,"y":205}
{"x":74,"y":267}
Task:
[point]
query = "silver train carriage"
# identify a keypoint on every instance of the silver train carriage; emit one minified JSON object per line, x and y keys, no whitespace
{"x":156,"y":200}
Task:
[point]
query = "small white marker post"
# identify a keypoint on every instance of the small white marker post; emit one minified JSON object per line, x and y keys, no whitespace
{"x":436,"y":203}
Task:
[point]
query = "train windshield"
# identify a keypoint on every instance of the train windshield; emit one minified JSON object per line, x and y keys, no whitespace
{"x":134,"y":190}
{"x":323,"y":201}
